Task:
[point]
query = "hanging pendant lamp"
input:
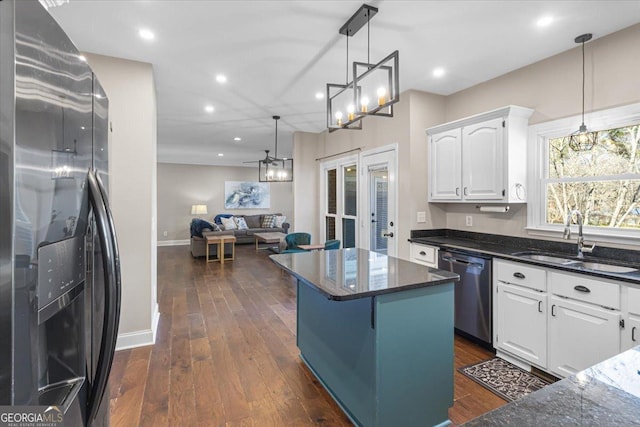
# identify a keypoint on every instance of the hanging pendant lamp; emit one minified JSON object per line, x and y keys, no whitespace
{"x":582,"y":139}
{"x":273,"y":168}
{"x":373,"y":89}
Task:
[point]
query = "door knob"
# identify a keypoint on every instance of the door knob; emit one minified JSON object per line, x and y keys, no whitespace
{"x":388,"y":234}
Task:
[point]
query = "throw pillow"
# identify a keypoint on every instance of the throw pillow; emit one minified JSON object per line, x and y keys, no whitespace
{"x":240,"y":223}
{"x":279,"y":220}
{"x":216,"y":227}
{"x":267,"y":221}
{"x":253,"y":221}
{"x":228,"y":224}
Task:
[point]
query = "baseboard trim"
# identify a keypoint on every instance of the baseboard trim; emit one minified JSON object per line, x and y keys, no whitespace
{"x":174,"y":242}
{"x":140,"y":338}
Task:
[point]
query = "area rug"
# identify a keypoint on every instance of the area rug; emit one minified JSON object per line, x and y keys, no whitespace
{"x":503,"y":378}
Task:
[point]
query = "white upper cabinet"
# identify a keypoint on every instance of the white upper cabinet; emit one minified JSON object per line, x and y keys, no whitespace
{"x":480,"y":158}
{"x":446,"y":177}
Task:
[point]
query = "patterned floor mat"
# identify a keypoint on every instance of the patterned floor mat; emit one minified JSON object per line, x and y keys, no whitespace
{"x":503,"y":378}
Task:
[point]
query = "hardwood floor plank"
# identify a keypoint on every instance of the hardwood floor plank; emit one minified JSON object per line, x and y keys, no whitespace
{"x":226,"y":355}
{"x":128,"y":405}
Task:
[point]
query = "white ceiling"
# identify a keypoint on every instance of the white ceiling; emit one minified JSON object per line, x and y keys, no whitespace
{"x":278,"y":54}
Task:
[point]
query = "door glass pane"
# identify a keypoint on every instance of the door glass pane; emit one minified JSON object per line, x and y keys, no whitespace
{"x":348,"y":233}
{"x":332,"y":191}
{"x":350,"y":190}
{"x":330,"y":227}
{"x":379,"y":210}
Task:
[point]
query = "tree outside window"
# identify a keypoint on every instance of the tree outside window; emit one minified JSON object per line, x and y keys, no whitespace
{"x":601,"y":180}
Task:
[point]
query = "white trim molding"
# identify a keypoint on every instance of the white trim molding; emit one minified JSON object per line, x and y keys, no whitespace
{"x":185,"y":242}
{"x":140,"y":338}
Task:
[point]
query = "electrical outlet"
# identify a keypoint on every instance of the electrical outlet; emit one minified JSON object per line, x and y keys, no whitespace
{"x":165,"y":233}
{"x":422,"y":217}
{"x":469,"y":221}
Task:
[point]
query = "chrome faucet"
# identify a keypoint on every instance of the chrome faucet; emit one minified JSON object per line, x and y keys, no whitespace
{"x":567,"y":233}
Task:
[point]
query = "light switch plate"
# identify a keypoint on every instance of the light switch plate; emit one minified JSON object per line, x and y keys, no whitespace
{"x":422,"y":217}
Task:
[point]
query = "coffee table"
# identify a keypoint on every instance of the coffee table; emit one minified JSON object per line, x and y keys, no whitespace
{"x":269,"y":238}
{"x":220,"y":241}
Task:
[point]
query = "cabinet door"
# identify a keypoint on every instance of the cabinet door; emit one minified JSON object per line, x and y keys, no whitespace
{"x":444,"y":172}
{"x":522,"y":323}
{"x":483,"y":165}
{"x":425,"y":255}
{"x":580,"y":335}
{"x":631,"y":336}
{"x":631,"y":331}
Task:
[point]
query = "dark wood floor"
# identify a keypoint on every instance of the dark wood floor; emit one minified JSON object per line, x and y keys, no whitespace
{"x":226,"y":353}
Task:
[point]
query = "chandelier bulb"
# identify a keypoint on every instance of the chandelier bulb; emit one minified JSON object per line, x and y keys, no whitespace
{"x":364,"y":104}
{"x":382,"y":96}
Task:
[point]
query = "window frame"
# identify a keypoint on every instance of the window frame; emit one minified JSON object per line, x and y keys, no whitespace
{"x":538,"y":162}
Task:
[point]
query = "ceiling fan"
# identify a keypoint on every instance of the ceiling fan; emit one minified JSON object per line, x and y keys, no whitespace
{"x":271,"y":160}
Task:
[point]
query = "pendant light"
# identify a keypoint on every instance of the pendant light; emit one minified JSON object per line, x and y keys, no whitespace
{"x":273,"y":168}
{"x":582,"y":139}
{"x":374,"y":88}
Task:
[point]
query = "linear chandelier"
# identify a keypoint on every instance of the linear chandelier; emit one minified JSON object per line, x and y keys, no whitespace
{"x":373,"y":89}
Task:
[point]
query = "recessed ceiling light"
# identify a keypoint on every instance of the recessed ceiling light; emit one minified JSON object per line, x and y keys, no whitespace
{"x":319,"y":95}
{"x":545,"y":21}
{"x":82,"y":58}
{"x":220,"y":154}
{"x":237,"y":138}
{"x":82,"y":127}
{"x":438,"y":72}
{"x":221,"y":78}
{"x":209,"y":108}
{"x":146,"y":34}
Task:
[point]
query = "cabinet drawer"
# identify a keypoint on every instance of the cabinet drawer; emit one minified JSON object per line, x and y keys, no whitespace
{"x":584,"y":288}
{"x":634,"y":301}
{"x":520,"y":274}
{"x":424,"y":254}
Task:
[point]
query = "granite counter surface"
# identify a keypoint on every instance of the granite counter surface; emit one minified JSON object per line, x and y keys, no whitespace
{"x":607,"y":394}
{"x":346,"y":274}
{"x":508,"y":247}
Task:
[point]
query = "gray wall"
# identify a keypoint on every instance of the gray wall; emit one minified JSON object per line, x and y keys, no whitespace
{"x":180,"y":186}
{"x":130,"y":88}
{"x":551,"y":87}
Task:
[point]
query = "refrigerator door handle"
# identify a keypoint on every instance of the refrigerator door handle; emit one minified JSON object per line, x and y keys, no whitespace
{"x":110,"y":260}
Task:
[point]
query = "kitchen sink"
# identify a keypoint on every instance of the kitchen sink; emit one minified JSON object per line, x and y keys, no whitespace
{"x":569,"y":262}
{"x":604,"y":267}
{"x":549,"y":258}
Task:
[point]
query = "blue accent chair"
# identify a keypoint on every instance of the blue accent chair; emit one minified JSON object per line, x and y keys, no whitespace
{"x":295,"y":239}
{"x":331,"y":244}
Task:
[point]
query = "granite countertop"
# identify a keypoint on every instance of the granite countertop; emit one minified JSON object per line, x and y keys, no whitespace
{"x":346,"y":274}
{"x":607,"y":394}
{"x":508,"y":247}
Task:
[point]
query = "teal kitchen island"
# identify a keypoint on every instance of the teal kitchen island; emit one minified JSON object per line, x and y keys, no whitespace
{"x":377,"y":332}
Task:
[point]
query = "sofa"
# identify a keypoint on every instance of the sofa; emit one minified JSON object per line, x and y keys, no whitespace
{"x":254,"y":222}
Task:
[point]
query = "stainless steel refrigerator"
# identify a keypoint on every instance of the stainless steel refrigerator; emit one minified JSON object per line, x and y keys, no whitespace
{"x":59,"y":265}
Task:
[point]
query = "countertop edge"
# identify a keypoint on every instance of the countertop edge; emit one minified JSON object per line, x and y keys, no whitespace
{"x":512,"y":257}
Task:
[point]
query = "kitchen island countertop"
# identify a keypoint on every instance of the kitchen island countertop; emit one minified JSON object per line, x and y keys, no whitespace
{"x":346,"y":274}
{"x":607,"y":394}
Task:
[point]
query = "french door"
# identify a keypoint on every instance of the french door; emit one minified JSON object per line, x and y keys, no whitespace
{"x":379,"y":187}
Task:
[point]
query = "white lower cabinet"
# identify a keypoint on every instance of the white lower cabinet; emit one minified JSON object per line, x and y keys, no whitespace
{"x":631,"y":331}
{"x":521,"y":323}
{"x":561,"y":322}
{"x":580,"y":335}
{"x":424,"y":254}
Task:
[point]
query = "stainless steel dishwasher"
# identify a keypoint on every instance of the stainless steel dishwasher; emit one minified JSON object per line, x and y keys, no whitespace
{"x":472,"y":293}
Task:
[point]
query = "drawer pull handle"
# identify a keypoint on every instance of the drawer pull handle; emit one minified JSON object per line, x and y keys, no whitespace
{"x":552,"y":313}
{"x":540,"y":306}
{"x":518,"y":275}
{"x":457,"y":191}
{"x":581,"y":288}
{"x":423,"y":253}
{"x":633,"y":333}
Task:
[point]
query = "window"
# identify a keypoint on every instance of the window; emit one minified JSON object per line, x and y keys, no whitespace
{"x":600,"y":179}
{"x":340,"y":187}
